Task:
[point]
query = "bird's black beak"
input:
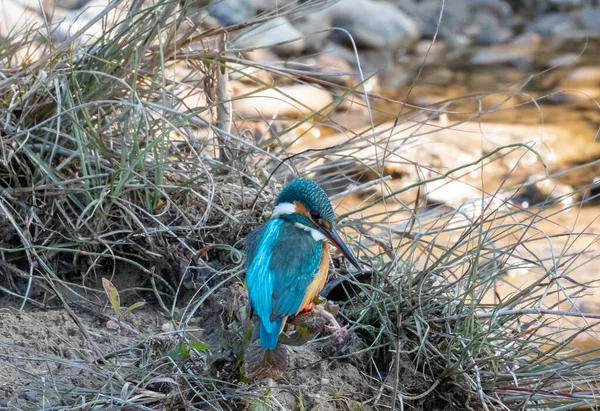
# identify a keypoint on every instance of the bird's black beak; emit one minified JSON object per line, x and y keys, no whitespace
{"x":335,"y":238}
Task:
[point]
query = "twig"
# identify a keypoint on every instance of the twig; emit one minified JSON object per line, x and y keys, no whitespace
{"x":222,"y":101}
{"x":523,"y":311}
{"x":360,"y":187}
{"x":422,"y":395}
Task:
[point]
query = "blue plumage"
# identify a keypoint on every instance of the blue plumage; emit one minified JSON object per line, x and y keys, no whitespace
{"x":258,"y":276}
{"x":284,"y":256}
{"x":282,"y":261}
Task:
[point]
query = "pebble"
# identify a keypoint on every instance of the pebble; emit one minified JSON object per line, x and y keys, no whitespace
{"x":589,"y":18}
{"x":585,"y":74}
{"x":527,"y":40}
{"x":231,"y":12}
{"x":315,"y":28}
{"x":167,"y":327}
{"x":551,"y":24}
{"x":296,"y":101}
{"x":66,"y":25}
{"x":434,"y":52}
{"x":455,"y":18}
{"x":373,"y":24}
{"x":30,"y":395}
{"x":324,"y":67}
{"x":486,"y":28}
{"x":580,"y":97}
{"x":565,"y":60}
{"x":514,"y":54}
{"x":277,"y":30}
{"x":16,"y":18}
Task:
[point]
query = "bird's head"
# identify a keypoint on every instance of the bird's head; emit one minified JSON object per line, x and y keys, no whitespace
{"x":304,"y":198}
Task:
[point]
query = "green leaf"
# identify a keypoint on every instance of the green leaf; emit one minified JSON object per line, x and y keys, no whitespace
{"x":179,"y":352}
{"x":200,"y":346}
{"x":183,"y":351}
{"x":113,"y":296}
{"x":258,"y":405}
{"x":134,"y":306}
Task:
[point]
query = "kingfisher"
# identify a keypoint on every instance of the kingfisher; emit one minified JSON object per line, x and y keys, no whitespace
{"x":287,"y":258}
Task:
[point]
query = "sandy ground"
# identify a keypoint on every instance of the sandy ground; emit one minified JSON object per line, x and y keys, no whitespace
{"x":44,"y":355}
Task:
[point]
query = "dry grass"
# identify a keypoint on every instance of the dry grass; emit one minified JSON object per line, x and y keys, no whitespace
{"x":112,"y":166}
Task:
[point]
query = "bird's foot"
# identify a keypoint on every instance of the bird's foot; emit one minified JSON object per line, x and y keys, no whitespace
{"x":310,"y":322}
{"x":308,"y":307}
{"x":337,"y":333}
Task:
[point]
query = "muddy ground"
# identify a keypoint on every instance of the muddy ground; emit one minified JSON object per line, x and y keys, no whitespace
{"x":46,"y":361}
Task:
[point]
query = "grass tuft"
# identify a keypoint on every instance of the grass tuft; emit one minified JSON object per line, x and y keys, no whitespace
{"x":123,"y":158}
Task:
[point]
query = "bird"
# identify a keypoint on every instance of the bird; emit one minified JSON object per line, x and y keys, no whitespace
{"x":287,"y":258}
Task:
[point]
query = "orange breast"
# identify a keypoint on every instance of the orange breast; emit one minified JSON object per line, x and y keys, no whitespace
{"x":319,"y":282}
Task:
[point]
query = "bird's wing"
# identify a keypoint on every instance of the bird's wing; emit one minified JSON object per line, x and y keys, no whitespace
{"x":259,"y":278}
{"x":282,"y":261}
{"x":295,"y":261}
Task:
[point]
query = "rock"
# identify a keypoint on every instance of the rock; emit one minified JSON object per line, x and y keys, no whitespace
{"x":565,"y":60}
{"x":32,"y":5}
{"x":544,"y":192}
{"x":324,"y":67}
{"x":274,"y":31}
{"x":64,"y":4}
{"x":450,"y":192}
{"x":65,"y":26}
{"x":250,"y":74}
{"x":273,"y":5}
{"x":527,"y":40}
{"x":435,"y":52}
{"x":356,"y":107}
{"x":437,"y":76}
{"x":167,"y":327}
{"x":592,"y":194}
{"x":492,"y":22}
{"x":338,"y":51}
{"x":519,"y":52}
{"x":373,"y":25}
{"x":262,"y":56}
{"x":330,"y":64}
{"x":585,"y":97}
{"x":499,"y":8}
{"x":585,"y":74}
{"x":486,"y":28}
{"x":16,"y":19}
{"x":16,"y":23}
{"x":504,"y":53}
{"x":311,"y":26}
{"x":30,"y":395}
{"x":565,"y":5}
{"x":231,"y":12}
{"x":427,"y":14}
{"x":589,"y":18}
{"x":551,"y":24}
{"x":296,"y":101}
{"x":392,"y":72}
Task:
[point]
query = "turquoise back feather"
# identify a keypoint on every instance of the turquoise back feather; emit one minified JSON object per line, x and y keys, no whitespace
{"x":259,"y":279}
{"x":282,"y":261}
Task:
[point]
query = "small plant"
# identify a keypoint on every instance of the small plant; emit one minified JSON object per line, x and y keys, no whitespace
{"x":182,"y":350}
{"x":115,"y":300}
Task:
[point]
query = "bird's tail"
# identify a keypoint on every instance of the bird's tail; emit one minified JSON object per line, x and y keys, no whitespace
{"x":268,"y":339}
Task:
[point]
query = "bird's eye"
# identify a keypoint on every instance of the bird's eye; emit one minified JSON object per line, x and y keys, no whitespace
{"x":316,"y":218}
